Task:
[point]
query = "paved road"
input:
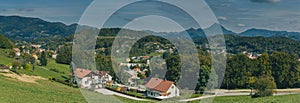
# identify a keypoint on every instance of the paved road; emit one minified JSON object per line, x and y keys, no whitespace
{"x":109,"y":92}
{"x":232,"y":93}
{"x":220,"y":93}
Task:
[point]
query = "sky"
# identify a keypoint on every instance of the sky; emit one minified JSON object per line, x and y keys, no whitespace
{"x":236,"y":15}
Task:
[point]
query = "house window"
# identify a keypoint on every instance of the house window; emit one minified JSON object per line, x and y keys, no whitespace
{"x":86,"y":82}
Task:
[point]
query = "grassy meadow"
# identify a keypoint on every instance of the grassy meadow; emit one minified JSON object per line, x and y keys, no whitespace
{"x":14,"y":91}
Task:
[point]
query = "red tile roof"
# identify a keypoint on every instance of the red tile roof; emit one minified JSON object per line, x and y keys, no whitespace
{"x":81,"y":73}
{"x":159,"y":84}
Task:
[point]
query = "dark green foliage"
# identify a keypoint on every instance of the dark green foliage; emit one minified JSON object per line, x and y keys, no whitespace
{"x":5,"y":43}
{"x":241,"y":70}
{"x":64,"y":55}
{"x":285,"y":70}
{"x":43,"y":59}
{"x":31,"y":29}
{"x":173,"y":68}
{"x":264,"y":86}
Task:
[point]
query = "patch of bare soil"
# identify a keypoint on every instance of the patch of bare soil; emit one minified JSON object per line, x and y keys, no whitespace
{"x":23,"y":77}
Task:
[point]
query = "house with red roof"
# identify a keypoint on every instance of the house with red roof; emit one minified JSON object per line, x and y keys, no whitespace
{"x":85,"y":78}
{"x":161,"y":89}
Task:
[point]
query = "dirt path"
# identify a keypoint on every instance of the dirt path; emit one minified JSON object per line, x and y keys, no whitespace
{"x":23,"y":77}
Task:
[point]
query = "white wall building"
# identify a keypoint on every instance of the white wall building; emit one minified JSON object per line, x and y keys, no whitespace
{"x":161,"y":89}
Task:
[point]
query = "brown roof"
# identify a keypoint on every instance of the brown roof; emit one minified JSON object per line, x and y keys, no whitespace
{"x":80,"y":73}
{"x":101,"y":73}
{"x":2,"y":66}
{"x":159,"y":84}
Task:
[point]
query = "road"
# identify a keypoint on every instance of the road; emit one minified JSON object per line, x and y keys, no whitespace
{"x":219,"y":93}
{"x":109,"y":92}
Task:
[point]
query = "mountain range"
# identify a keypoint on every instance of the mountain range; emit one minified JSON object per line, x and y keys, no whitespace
{"x":31,"y":29}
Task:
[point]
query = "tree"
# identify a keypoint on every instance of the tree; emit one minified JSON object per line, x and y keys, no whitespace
{"x":43,"y":59}
{"x":28,"y":67}
{"x":64,"y":55}
{"x":264,"y":86}
{"x":203,"y":78}
{"x":173,"y":68}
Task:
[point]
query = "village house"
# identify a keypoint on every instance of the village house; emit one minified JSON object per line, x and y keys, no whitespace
{"x":35,"y":56}
{"x":104,"y":76}
{"x":87,"y":78}
{"x":54,"y":56}
{"x":4,"y":68}
{"x":161,"y":89}
{"x":17,"y":51}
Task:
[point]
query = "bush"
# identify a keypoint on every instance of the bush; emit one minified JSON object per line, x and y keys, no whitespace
{"x":264,"y":86}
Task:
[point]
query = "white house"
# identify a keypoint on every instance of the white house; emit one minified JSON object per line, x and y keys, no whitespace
{"x":104,"y":76}
{"x":161,"y":89}
{"x":85,"y":78}
{"x":54,"y":56}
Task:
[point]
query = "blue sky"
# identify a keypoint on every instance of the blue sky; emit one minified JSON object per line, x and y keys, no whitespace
{"x":236,"y":15}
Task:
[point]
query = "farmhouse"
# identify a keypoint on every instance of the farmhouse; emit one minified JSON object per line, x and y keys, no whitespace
{"x":87,"y":78}
{"x":161,"y":89}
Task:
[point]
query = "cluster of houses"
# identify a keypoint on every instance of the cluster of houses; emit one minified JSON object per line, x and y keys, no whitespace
{"x":251,"y":55}
{"x":154,"y":88}
{"x":37,"y":49}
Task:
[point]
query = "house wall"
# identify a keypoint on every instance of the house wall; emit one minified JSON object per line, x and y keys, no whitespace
{"x":174,"y":91}
{"x":86,"y":82}
{"x":106,"y":78}
{"x":152,"y":93}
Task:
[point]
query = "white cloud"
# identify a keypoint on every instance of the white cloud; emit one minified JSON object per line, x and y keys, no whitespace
{"x":265,"y":1}
{"x":241,"y":25}
{"x":222,"y":18}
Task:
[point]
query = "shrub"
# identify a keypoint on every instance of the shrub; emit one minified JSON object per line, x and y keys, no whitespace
{"x":264,"y":86}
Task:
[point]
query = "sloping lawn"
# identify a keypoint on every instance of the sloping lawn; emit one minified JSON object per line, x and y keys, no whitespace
{"x":4,"y":57}
{"x":13,"y":91}
{"x":247,"y":99}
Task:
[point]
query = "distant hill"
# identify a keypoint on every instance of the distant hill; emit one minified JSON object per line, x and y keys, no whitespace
{"x":30,"y":29}
{"x":5,"y":43}
{"x":268,"y":33}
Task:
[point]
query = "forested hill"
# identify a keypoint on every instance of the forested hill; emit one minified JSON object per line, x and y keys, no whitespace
{"x":30,"y":29}
{"x":5,"y":43}
{"x":269,"y":33}
{"x":238,"y":44}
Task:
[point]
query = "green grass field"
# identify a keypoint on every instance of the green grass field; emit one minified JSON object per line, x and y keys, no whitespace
{"x":14,"y":91}
{"x":240,"y":99}
{"x":247,"y":99}
{"x":4,"y":57}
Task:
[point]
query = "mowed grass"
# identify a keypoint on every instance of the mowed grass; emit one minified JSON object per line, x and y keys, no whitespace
{"x":60,"y":67}
{"x":293,"y":98}
{"x":14,"y":91}
{"x":46,"y":72}
{"x":4,"y":57}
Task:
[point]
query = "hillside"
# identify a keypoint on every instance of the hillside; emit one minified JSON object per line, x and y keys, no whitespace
{"x":29,"y":29}
{"x":5,"y":43}
{"x":13,"y":91}
{"x":238,"y":44}
{"x":268,"y":33}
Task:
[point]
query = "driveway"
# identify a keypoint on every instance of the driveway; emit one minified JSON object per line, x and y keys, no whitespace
{"x":109,"y":92}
